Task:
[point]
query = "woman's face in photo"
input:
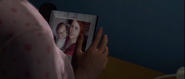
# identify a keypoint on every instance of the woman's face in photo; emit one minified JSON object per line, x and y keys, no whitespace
{"x":74,"y":29}
{"x":61,"y":32}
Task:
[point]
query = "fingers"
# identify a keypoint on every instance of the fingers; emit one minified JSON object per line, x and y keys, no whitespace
{"x":106,"y":52}
{"x":79,"y":43}
{"x":97,"y":38}
{"x":103,"y":44}
{"x":105,"y":62}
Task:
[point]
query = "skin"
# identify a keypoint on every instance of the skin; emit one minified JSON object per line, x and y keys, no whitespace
{"x":89,"y":64}
{"x":74,"y":31}
{"x":61,"y":32}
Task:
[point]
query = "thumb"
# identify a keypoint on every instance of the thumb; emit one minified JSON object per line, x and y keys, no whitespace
{"x":79,"y":44}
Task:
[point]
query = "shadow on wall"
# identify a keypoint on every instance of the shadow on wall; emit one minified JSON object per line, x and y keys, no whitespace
{"x":45,"y":10}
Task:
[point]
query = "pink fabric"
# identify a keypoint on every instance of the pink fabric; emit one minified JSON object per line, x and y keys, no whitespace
{"x":27,"y":48}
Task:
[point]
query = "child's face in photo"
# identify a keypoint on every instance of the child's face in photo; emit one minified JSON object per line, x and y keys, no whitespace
{"x":61,"y":32}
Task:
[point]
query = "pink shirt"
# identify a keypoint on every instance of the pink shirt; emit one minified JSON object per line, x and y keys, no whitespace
{"x":27,"y":48}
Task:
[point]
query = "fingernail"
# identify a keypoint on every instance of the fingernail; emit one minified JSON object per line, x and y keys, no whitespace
{"x":105,"y":35}
{"x":101,"y":28}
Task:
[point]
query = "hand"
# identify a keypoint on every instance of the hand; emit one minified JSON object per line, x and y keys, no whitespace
{"x":89,"y":64}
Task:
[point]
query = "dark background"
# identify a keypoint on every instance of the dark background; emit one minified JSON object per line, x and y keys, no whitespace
{"x":147,"y":33}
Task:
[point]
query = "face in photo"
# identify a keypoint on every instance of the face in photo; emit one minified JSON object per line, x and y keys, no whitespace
{"x":61,"y":31}
{"x":74,"y":30}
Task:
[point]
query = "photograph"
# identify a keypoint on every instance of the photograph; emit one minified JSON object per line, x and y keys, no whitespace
{"x":66,"y":32}
{"x":67,"y":27}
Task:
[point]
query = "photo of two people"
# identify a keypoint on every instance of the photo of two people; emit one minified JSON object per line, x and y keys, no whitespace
{"x":66,"y":32}
{"x":67,"y":26}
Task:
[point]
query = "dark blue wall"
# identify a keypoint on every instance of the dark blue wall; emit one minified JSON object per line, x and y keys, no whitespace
{"x":147,"y":33}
